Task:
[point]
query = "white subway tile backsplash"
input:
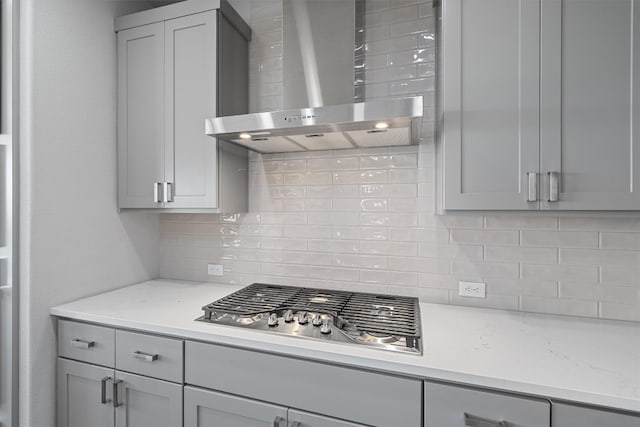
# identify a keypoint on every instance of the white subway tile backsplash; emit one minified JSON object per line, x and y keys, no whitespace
{"x":569,"y":239}
{"x":575,"y":307}
{"x":484,"y":236}
{"x":363,"y":219}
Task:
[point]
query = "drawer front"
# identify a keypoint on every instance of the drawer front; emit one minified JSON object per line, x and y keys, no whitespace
{"x":349,"y":394}
{"x":564,"y":415}
{"x":87,"y":343}
{"x":149,"y":355}
{"x":452,"y":406}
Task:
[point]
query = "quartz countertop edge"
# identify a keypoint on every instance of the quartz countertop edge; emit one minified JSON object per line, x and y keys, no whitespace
{"x":590,"y":361}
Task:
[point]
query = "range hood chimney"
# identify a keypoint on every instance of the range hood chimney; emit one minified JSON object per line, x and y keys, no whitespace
{"x":319,"y":62}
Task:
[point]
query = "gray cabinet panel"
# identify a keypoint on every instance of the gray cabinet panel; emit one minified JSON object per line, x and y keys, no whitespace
{"x":563,"y":415}
{"x":205,"y":408}
{"x":340,"y":392}
{"x":448,"y":406}
{"x":78,"y":395}
{"x":490,"y":102}
{"x":87,"y":343}
{"x":311,"y":420}
{"x":140,"y":114}
{"x":589,"y":126}
{"x":190,"y":91}
{"x":150,"y":355}
{"x":146,"y":402}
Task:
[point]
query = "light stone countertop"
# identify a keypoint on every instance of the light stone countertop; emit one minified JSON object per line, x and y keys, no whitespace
{"x":565,"y":358}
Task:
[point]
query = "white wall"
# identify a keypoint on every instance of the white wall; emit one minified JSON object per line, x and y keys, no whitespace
{"x":74,"y":242}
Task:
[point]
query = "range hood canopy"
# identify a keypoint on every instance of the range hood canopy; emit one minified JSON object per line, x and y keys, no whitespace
{"x":323,"y":54}
{"x":387,"y":122}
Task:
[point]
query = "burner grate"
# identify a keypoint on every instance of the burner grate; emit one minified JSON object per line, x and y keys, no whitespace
{"x":254,"y":299}
{"x":383,"y":314}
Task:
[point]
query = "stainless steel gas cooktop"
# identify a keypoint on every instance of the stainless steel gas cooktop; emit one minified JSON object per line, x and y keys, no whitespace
{"x":382,"y":321}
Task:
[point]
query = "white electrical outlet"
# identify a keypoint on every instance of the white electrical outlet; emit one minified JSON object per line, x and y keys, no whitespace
{"x":215,"y":269}
{"x":473,"y":289}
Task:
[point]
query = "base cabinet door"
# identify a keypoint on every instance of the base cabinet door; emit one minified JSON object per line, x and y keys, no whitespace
{"x":563,"y":415}
{"x":205,"y":408}
{"x":305,"y":419}
{"x":453,"y":406}
{"x":146,"y":402}
{"x":80,"y":397}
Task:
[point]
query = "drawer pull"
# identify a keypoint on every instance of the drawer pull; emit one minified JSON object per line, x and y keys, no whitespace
{"x":103,"y":390}
{"x":115,"y":393}
{"x":473,"y":421}
{"x":277,"y":421}
{"x":145,"y":356}
{"x":296,"y":424}
{"x":82,"y":343}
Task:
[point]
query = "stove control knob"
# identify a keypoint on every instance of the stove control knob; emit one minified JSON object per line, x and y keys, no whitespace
{"x":326,"y":327}
{"x":273,"y":320}
{"x":317,"y":320}
{"x":303,"y":319}
{"x":288,"y":316}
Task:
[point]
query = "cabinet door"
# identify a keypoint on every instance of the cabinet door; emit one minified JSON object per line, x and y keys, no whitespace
{"x":576,"y":416}
{"x":490,"y":102}
{"x":452,"y":406}
{"x":147,"y":402}
{"x":140,"y":115}
{"x":79,"y":395}
{"x":191,"y":156}
{"x":305,"y":419}
{"x":204,"y":408}
{"x":590,"y":86}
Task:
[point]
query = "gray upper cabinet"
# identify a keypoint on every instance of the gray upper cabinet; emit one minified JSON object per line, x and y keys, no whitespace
{"x":170,"y":65}
{"x":590,"y":91}
{"x":490,"y":102}
{"x":563,"y":415}
{"x":538,"y":106}
{"x":140,"y":115}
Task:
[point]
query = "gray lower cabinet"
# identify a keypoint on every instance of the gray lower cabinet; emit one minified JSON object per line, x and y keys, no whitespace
{"x":305,"y":419}
{"x":207,"y":408}
{"x":147,"y":402}
{"x":79,"y":395}
{"x":336,"y":392}
{"x":453,"y":406}
{"x":89,"y":395}
{"x":564,"y":415}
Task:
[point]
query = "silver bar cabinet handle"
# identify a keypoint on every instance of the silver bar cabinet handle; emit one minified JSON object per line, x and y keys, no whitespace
{"x":145,"y":356}
{"x":167,"y":189}
{"x":156,"y":192}
{"x":554,"y":186}
{"x":473,"y":421}
{"x":103,"y":390}
{"x":296,"y":424}
{"x":532,"y":187}
{"x":115,"y":393}
{"x":277,"y":421}
{"x":82,"y":343}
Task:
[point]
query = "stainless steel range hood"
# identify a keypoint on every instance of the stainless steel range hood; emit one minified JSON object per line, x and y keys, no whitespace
{"x":365,"y":124}
{"x":322,"y":54}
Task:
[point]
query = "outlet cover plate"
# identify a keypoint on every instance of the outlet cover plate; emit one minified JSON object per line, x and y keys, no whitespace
{"x":215,"y":269}
{"x":473,"y":289}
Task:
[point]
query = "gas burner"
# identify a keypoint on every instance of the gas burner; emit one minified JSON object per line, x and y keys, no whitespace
{"x":382,"y":321}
